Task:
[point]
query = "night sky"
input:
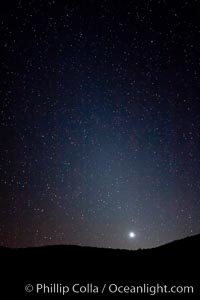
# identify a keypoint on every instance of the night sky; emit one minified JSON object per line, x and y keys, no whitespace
{"x":100,"y":122}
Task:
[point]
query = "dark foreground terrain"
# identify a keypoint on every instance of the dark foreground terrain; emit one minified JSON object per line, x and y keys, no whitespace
{"x":72,"y":272}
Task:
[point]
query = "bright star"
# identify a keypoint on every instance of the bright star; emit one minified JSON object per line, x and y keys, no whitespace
{"x":131,"y":234}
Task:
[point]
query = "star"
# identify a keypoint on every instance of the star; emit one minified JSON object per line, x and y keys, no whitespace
{"x":131,"y":235}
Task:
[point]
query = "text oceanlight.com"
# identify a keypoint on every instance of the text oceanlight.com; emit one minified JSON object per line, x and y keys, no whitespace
{"x":112,"y":288}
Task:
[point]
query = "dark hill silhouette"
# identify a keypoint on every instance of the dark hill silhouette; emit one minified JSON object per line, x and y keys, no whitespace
{"x":176,"y":263}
